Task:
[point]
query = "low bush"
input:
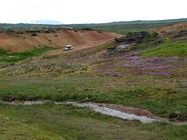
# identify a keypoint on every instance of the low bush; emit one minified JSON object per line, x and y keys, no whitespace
{"x":13,"y":57}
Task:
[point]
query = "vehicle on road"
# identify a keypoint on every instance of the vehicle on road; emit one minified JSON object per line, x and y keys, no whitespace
{"x":68,"y":47}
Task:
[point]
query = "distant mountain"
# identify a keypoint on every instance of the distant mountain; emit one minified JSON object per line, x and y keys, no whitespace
{"x":48,"y":22}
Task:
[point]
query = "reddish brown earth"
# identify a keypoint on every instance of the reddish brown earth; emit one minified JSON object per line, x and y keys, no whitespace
{"x":80,"y":39}
{"x":176,"y":32}
{"x":81,"y":46}
{"x":172,"y":28}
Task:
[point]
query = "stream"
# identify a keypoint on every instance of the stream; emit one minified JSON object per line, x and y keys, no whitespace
{"x":102,"y":110}
{"x":114,"y":113}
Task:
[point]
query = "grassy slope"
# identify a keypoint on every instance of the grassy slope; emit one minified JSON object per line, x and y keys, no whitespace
{"x":80,"y":79}
{"x":161,"y":95}
{"x":13,"y":129}
{"x":151,"y":94}
{"x":169,"y":48}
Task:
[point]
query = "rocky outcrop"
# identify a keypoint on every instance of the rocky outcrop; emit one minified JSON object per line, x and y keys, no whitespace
{"x":133,"y":37}
{"x":132,"y":41}
{"x":123,"y":47}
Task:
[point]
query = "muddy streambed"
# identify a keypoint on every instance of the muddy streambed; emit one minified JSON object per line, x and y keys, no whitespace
{"x":118,"y":111}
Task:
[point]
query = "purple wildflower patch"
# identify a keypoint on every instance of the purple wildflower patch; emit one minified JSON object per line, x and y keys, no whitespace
{"x":153,"y":67}
{"x":162,"y":73}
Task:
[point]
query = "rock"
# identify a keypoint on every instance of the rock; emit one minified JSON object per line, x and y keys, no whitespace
{"x":33,"y":34}
{"x":119,"y":48}
{"x":157,"y":42}
{"x":122,"y":47}
{"x":135,"y":37}
{"x":24,"y":121}
{"x":182,"y":33}
{"x":7,"y":120}
{"x":111,"y":49}
{"x":180,"y":36}
{"x":120,"y":40}
{"x":11,"y":56}
{"x":112,"y":74}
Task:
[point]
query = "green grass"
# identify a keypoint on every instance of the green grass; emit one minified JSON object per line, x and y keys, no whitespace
{"x":156,"y":98}
{"x":153,"y":93}
{"x":2,"y":52}
{"x":17,"y":56}
{"x":162,"y":95}
{"x":51,"y":121}
{"x":12,"y":129}
{"x":168,"y":48}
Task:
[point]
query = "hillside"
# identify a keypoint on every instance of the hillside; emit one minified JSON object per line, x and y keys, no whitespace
{"x":171,"y":28}
{"x":177,"y":32}
{"x":124,"y":27}
{"x":24,"y":40}
{"x":140,"y":74}
{"x":121,"y":27}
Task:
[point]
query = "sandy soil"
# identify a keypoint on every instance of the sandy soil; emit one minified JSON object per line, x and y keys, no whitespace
{"x":90,"y":44}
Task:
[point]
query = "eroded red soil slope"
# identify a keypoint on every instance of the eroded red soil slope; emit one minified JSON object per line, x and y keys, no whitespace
{"x":172,"y":28}
{"x":16,"y":42}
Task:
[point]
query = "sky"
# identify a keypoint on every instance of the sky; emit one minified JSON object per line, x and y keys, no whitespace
{"x":90,"y":11}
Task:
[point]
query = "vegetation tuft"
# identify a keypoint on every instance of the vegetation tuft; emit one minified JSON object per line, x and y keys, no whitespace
{"x":2,"y":52}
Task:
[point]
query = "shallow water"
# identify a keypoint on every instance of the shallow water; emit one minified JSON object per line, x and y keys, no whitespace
{"x":102,"y":110}
{"x":114,"y":113}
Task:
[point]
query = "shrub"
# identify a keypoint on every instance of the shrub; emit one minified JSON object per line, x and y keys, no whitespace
{"x":2,"y":52}
{"x":34,"y":34}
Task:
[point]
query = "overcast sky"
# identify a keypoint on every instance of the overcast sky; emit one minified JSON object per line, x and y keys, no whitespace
{"x":90,"y":11}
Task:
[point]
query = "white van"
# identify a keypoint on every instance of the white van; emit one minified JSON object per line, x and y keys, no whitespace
{"x":68,"y":47}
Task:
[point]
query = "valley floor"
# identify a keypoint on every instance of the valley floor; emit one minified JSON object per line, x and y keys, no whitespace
{"x":139,"y":80}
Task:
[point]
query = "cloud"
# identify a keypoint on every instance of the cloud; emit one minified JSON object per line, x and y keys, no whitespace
{"x":89,"y":11}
